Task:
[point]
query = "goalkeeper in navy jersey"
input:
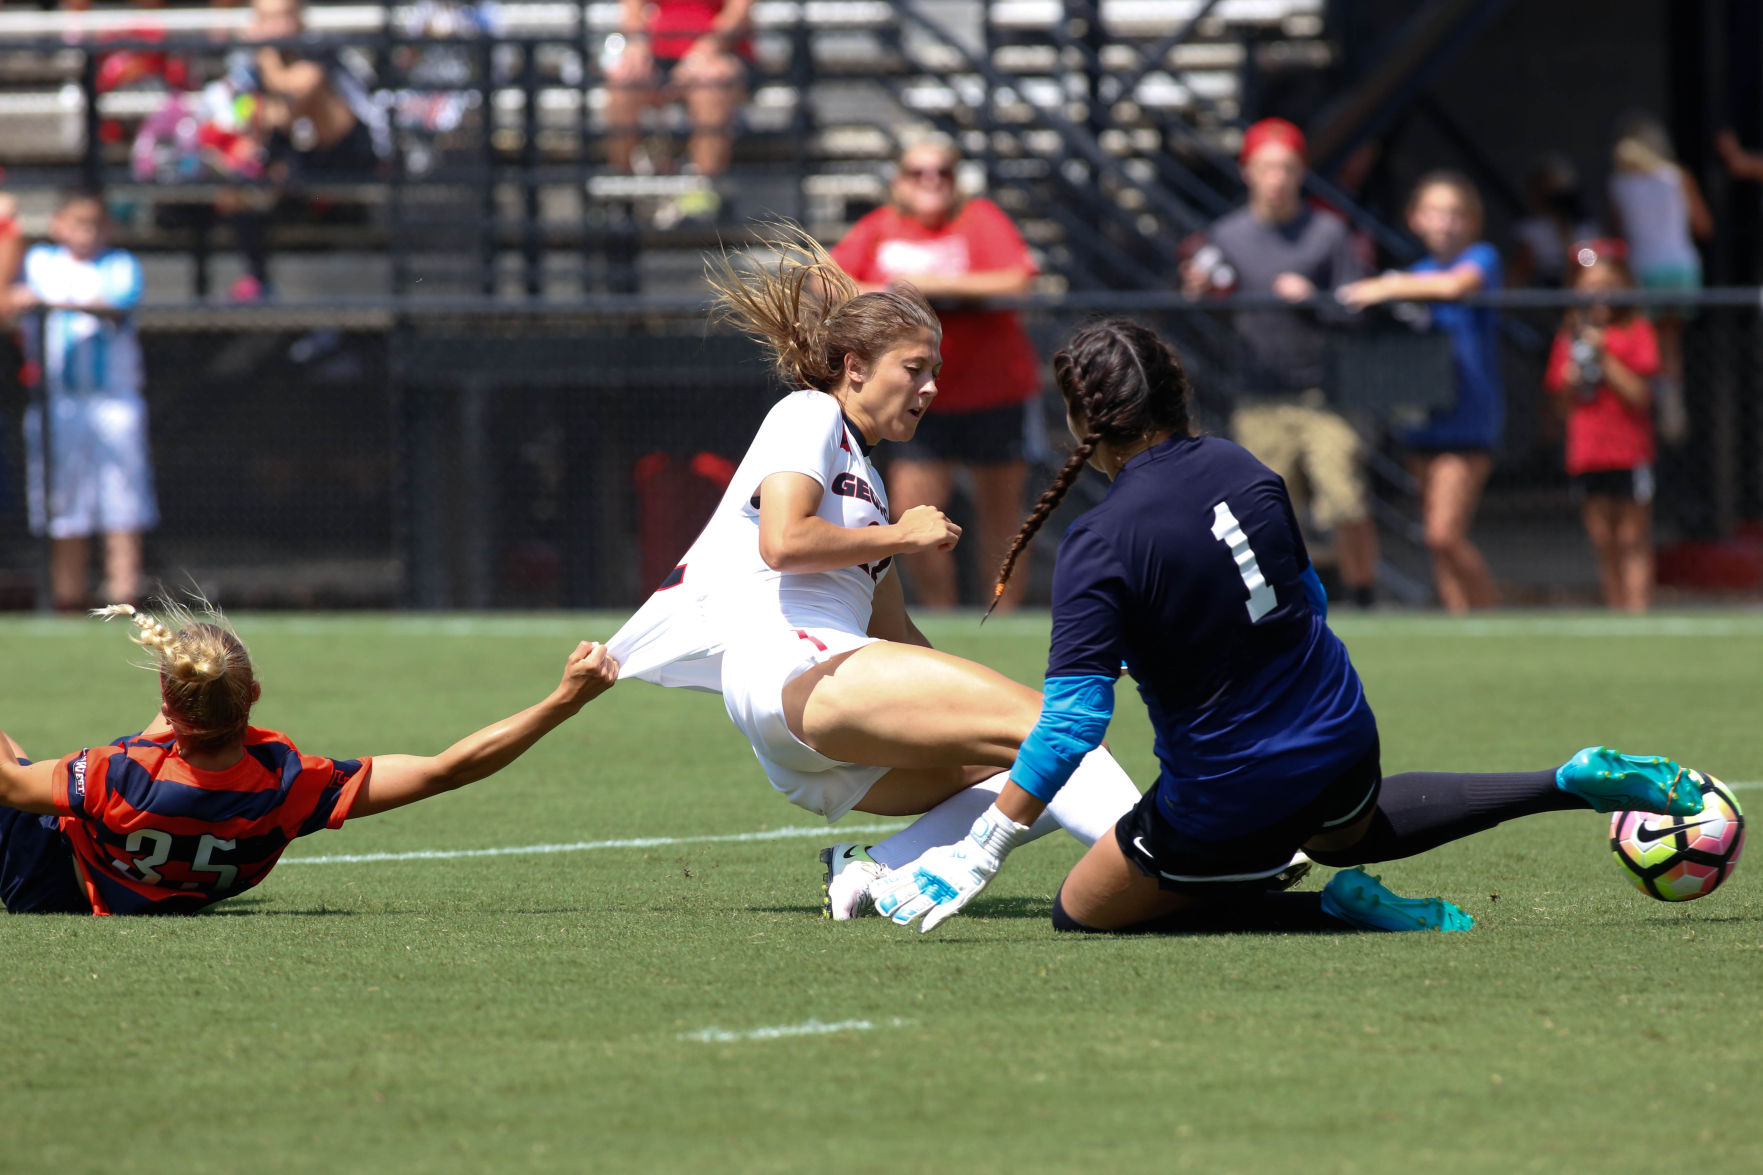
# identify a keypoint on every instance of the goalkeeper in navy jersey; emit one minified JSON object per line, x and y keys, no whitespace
{"x":1192,"y":574}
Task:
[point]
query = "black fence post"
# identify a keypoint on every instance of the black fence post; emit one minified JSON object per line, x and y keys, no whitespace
{"x":92,"y":157}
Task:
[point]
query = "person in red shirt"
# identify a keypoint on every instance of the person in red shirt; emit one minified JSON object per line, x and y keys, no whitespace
{"x":691,"y":51}
{"x":1599,"y":374}
{"x":199,"y":806}
{"x":953,"y":247}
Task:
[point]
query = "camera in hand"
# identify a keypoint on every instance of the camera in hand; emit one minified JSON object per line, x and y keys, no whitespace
{"x":1588,"y":357}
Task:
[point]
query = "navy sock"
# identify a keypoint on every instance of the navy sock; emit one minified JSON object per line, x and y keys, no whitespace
{"x":1422,"y":810}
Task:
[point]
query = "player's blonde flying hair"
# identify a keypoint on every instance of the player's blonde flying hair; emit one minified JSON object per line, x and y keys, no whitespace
{"x":206,"y":682}
{"x":807,"y":311}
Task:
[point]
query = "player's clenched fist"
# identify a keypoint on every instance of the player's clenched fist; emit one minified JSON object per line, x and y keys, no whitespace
{"x":925,"y":528}
{"x":589,"y":673}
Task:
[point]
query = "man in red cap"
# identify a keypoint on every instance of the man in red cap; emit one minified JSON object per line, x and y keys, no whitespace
{"x":1278,"y":244}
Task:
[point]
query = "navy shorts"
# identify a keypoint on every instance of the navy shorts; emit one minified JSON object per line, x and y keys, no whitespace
{"x":1186,"y":864}
{"x":996,"y":436}
{"x":36,"y":867}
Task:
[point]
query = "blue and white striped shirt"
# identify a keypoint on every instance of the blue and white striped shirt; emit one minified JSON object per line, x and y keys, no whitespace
{"x":85,"y":353}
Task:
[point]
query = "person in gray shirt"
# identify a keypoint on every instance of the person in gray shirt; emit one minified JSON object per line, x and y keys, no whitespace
{"x":1277,"y":244}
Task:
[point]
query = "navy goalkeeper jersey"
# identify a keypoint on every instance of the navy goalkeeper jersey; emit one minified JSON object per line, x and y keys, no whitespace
{"x":1188,"y":572}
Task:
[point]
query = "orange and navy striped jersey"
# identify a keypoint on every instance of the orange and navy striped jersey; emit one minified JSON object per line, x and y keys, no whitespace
{"x":154,"y":835}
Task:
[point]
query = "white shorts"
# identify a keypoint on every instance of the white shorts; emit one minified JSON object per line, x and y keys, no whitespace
{"x":102,"y":480}
{"x":754,"y":674}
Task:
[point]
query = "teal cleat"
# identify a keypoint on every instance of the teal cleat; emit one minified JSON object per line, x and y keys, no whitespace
{"x":1611,"y":781}
{"x":1360,"y":900}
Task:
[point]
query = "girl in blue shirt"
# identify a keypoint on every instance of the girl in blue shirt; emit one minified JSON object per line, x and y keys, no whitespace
{"x":1451,"y":455}
{"x":1193,"y":574}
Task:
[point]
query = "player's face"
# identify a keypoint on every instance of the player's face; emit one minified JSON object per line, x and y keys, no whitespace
{"x":1442,"y":220}
{"x":898,"y":387}
{"x":80,"y":227}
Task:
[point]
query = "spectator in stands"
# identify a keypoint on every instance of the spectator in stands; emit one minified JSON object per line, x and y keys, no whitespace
{"x":1279,"y":245}
{"x":954,"y":247}
{"x":1598,"y":373}
{"x":1657,"y":208}
{"x":1452,"y":454}
{"x":11,"y":246}
{"x":11,"y":257}
{"x":693,"y":51}
{"x":1554,"y":219}
{"x":98,"y":478}
{"x":317,"y":120}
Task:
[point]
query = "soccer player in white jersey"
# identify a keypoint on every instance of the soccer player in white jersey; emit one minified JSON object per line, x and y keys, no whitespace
{"x":786,"y":603}
{"x":99,"y":478}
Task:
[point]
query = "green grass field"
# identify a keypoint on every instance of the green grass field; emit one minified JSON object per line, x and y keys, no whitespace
{"x":679,"y":1005}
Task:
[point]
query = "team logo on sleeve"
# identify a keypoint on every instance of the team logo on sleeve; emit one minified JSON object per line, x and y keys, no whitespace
{"x":76,"y":779}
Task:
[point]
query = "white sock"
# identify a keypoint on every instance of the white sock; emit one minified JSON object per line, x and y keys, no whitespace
{"x":1098,"y":794}
{"x":948,"y":822}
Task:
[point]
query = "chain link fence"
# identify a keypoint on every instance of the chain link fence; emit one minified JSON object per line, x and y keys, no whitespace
{"x":564,"y":457}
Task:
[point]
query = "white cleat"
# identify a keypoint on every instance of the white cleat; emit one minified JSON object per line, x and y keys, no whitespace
{"x":849,"y":873}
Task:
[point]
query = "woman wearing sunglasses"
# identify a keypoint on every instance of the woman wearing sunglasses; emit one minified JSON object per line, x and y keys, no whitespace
{"x":951,"y":247}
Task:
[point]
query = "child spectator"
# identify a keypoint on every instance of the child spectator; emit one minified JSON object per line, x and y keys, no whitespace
{"x":1452,"y":454}
{"x":1598,"y":373}
{"x":1657,"y":208}
{"x":1554,"y":219}
{"x":98,"y":478}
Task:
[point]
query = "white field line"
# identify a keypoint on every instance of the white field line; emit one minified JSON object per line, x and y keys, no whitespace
{"x":588,"y":846}
{"x":777,"y":1032}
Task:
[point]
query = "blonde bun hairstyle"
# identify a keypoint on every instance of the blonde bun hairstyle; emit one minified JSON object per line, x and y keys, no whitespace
{"x":206,"y":682}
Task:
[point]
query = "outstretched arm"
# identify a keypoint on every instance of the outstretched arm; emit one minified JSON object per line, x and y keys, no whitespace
{"x":29,"y":789}
{"x":397,"y":780}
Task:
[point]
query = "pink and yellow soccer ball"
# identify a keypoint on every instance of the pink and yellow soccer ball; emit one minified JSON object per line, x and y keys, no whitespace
{"x":1681,"y":858}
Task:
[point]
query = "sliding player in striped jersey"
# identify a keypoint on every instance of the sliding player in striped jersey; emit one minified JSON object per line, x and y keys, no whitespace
{"x":788,"y":606}
{"x":1193,"y":573}
{"x":200,"y":805}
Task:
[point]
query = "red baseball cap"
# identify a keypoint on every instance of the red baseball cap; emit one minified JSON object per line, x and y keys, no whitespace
{"x":1270,"y":132}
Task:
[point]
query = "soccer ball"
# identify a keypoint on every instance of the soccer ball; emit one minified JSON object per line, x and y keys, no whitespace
{"x":1681,"y":858}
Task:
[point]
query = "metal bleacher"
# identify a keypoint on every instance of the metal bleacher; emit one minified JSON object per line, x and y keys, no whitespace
{"x":1105,"y":126}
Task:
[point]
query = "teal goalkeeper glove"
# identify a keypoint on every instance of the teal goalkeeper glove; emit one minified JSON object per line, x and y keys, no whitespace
{"x":946,"y":878}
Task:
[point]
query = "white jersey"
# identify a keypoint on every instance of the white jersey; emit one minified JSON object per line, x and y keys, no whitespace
{"x":85,"y":353}
{"x":722,"y":591}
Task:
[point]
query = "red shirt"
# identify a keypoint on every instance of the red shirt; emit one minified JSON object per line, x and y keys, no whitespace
{"x":988,"y":361}
{"x":1604,"y":431}
{"x":678,"y":23}
{"x":154,"y":835}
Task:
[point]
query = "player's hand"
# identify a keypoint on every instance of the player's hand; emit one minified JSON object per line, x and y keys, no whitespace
{"x":590,"y":672}
{"x":946,"y":878}
{"x":925,"y":528}
{"x":21,"y":298}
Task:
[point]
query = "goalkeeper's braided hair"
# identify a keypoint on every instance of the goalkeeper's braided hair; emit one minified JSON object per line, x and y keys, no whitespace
{"x":1125,"y":384}
{"x":807,"y":311}
{"x":206,"y":682}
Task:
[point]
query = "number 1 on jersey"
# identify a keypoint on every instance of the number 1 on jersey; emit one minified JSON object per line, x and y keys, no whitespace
{"x":1227,"y":530}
